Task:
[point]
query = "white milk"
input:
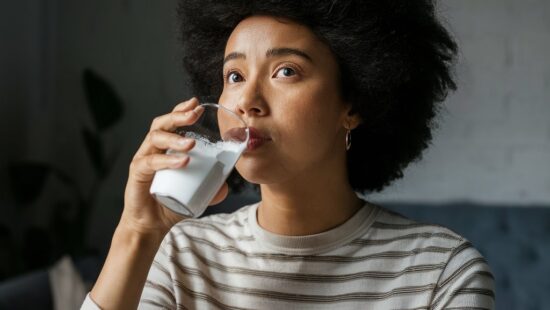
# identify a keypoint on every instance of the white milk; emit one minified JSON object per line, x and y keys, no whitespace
{"x":188,"y":190}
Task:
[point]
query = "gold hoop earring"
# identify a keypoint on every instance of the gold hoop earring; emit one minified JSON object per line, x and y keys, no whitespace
{"x":348,"y":140}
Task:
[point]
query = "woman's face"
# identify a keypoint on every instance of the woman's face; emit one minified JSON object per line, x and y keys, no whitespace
{"x":284,"y":82}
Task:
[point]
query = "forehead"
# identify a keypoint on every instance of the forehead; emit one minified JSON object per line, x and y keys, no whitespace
{"x":256,"y":34}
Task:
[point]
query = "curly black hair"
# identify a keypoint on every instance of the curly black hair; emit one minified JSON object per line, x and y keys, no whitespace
{"x":395,"y":60}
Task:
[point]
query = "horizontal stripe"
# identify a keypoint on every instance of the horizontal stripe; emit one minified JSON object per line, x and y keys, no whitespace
{"x":207,"y":298}
{"x":461,"y":270}
{"x":424,"y":235}
{"x":211,"y":227}
{"x":303,"y":297}
{"x":311,"y":258}
{"x":226,"y":221}
{"x":161,"y":268}
{"x":461,"y":247}
{"x":314,"y":277}
{"x":476,"y":291}
{"x":163,"y":290}
{"x":394,"y":226}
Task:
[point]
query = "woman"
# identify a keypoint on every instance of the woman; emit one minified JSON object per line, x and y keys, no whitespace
{"x":342,"y":95}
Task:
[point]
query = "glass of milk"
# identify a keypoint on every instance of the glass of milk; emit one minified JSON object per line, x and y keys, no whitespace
{"x":220,"y":138}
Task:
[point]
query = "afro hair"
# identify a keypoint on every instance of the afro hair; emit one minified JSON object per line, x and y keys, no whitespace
{"x":395,"y":58}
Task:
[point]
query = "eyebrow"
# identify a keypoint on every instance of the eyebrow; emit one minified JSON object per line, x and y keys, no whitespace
{"x":272,"y":52}
{"x":234,"y":55}
{"x":284,"y":51}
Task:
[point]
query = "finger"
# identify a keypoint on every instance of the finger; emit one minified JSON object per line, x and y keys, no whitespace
{"x":168,"y":123}
{"x":162,"y":140}
{"x":220,"y":195}
{"x":186,"y":105}
{"x":173,"y":120}
{"x":142,"y":169}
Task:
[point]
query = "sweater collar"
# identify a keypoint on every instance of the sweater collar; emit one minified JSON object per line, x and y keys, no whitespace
{"x":351,"y":229}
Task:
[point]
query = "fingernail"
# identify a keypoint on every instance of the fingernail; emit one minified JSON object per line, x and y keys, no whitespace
{"x":184,"y":142}
{"x":178,"y":161}
{"x":198,"y":109}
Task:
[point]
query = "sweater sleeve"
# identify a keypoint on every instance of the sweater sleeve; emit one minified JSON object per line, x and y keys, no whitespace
{"x":89,"y":304}
{"x":158,"y":291}
{"x":466,"y":282}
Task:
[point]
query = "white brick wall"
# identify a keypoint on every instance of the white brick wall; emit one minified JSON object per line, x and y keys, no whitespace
{"x":493,"y":142}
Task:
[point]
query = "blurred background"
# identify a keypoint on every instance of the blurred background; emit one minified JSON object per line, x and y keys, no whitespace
{"x":80,"y":82}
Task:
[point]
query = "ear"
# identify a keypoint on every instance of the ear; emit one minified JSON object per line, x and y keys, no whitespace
{"x":352,"y":118}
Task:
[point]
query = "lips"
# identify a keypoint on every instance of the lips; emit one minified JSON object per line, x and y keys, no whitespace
{"x":256,"y":138}
{"x":237,"y":134}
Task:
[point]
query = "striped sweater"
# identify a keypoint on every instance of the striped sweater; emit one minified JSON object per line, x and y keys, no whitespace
{"x":375,"y":260}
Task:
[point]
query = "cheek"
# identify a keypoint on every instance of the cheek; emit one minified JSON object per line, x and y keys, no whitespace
{"x":310,"y":128}
{"x":317,"y":106}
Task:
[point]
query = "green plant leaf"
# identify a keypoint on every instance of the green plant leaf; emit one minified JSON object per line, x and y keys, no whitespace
{"x":95,"y":151}
{"x":103,"y":101}
{"x":27,"y":180}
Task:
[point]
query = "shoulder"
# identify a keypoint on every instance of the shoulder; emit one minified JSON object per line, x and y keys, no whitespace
{"x":465,"y":279}
{"x":394,"y":226}
{"x":390,"y":224}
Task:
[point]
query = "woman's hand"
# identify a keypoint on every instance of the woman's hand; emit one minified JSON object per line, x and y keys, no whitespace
{"x":142,"y":213}
{"x":144,"y":221}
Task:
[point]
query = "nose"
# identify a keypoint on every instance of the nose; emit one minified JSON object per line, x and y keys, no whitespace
{"x":252,"y":102}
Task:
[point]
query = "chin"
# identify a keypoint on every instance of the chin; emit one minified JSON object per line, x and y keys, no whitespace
{"x":255,"y":172}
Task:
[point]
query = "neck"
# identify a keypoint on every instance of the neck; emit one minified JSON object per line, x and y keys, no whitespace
{"x":307,"y":205}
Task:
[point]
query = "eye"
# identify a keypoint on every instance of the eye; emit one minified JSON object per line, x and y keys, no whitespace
{"x":233,"y":77}
{"x":285,"y":72}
